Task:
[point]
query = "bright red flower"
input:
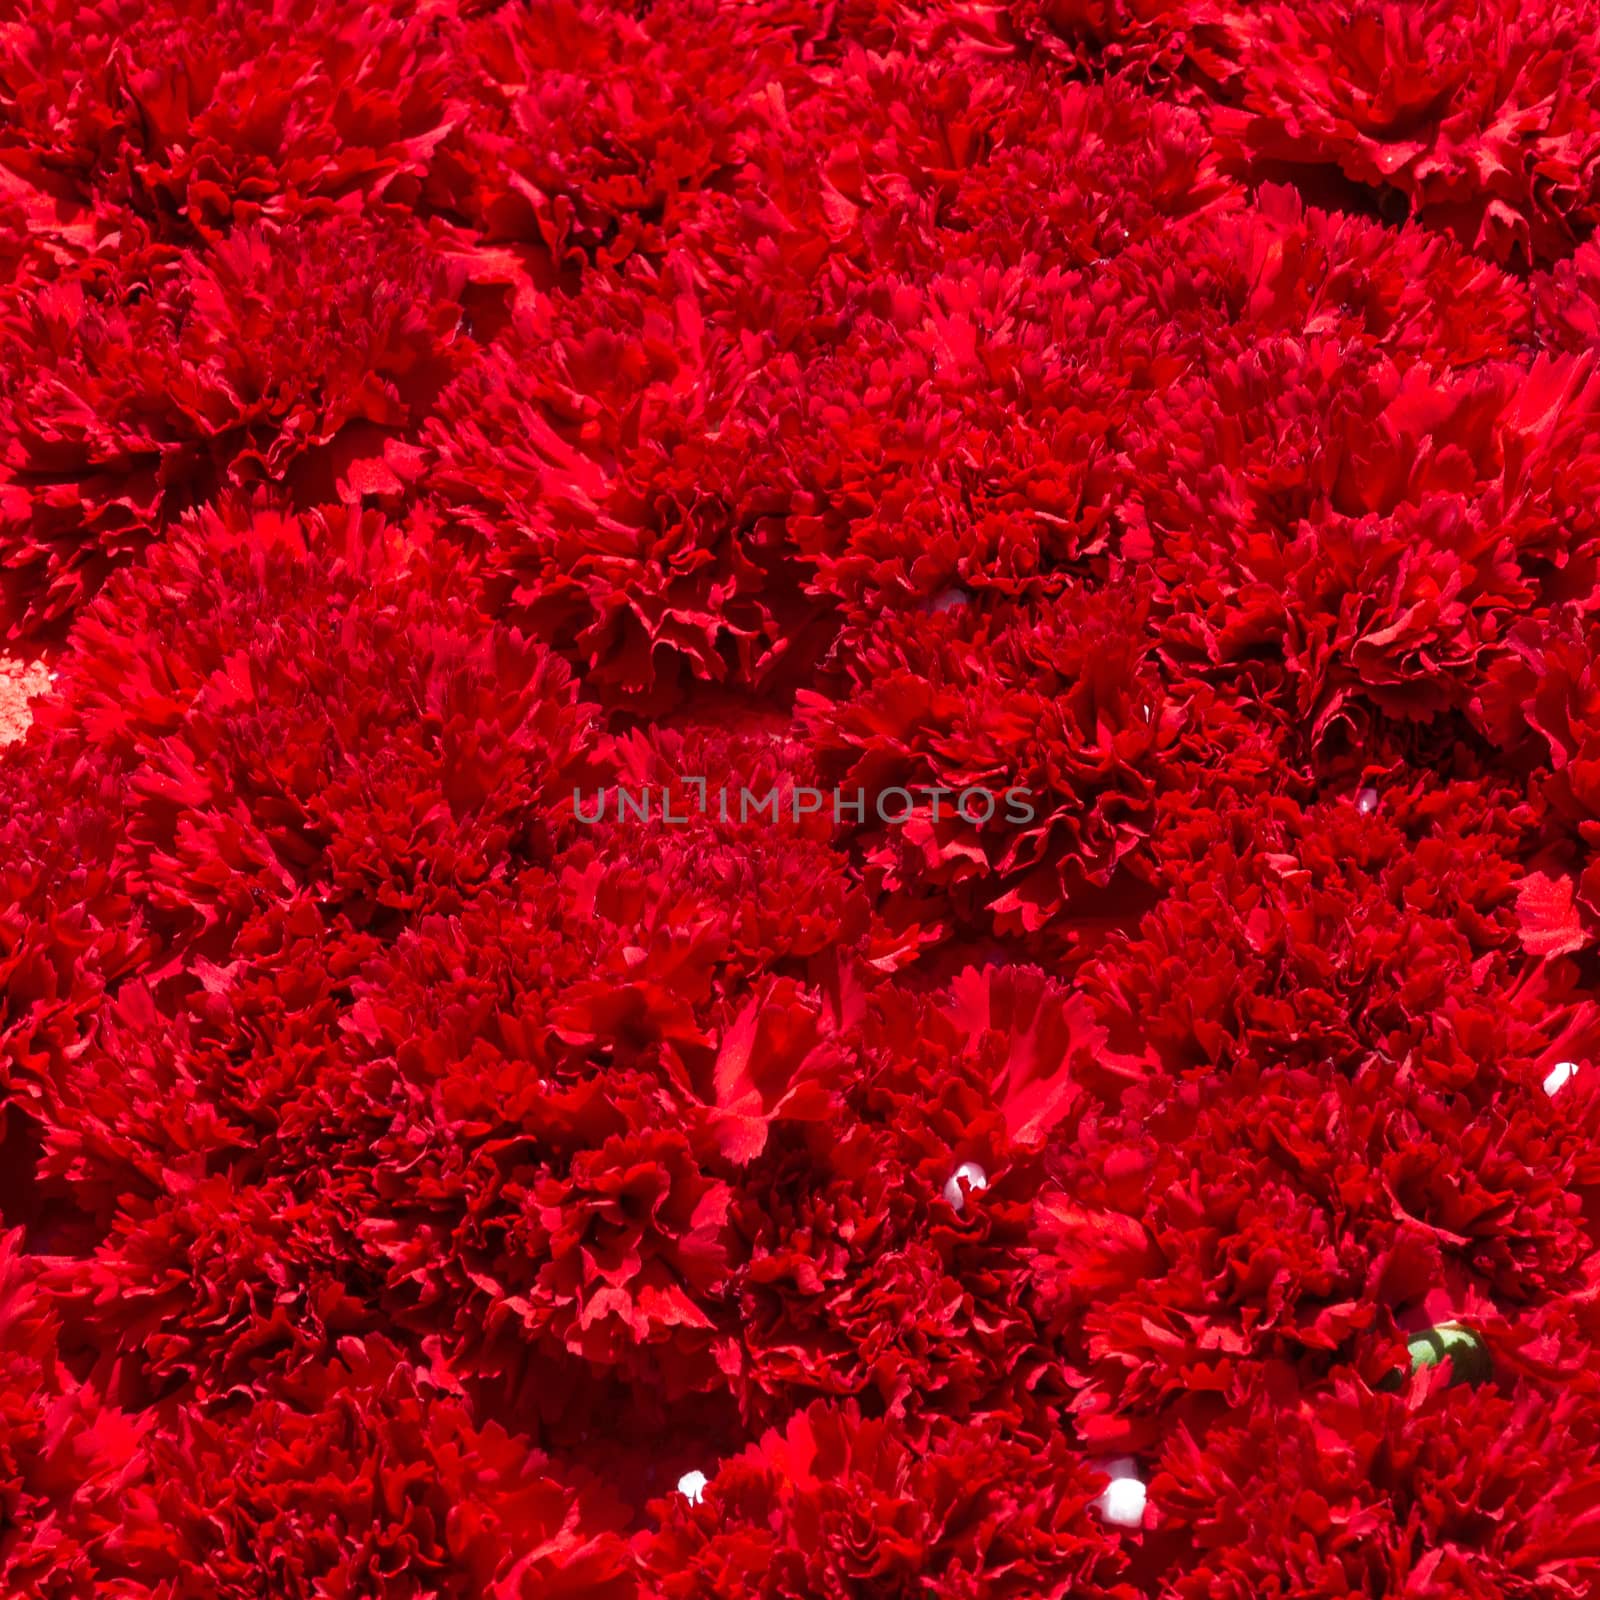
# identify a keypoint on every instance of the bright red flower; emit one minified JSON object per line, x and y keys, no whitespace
{"x":843,"y":754}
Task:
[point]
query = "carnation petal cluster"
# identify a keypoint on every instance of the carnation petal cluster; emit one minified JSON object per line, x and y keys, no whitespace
{"x":1181,"y":417}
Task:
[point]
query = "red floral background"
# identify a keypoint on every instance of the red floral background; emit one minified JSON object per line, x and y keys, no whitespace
{"x":412,"y":414}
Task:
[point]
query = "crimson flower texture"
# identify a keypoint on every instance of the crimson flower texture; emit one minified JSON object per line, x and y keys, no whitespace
{"x":800,"y":800}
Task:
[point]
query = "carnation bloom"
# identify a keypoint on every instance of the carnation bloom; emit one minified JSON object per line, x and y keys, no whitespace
{"x":1173,"y":427}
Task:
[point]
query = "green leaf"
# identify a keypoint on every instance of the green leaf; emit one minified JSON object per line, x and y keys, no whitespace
{"x":1469,"y":1360}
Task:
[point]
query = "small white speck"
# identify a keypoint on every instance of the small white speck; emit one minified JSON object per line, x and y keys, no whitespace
{"x":1367,"y":802}
{"x":1559,"y":1076}
{"x":692,"y":1485}
{"x":949,"y":600}
{"x":1122,"y":1501}
{"x":976,"y":1178}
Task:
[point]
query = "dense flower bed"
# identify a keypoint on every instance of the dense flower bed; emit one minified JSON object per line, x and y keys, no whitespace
{"x":1186,"y":411}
